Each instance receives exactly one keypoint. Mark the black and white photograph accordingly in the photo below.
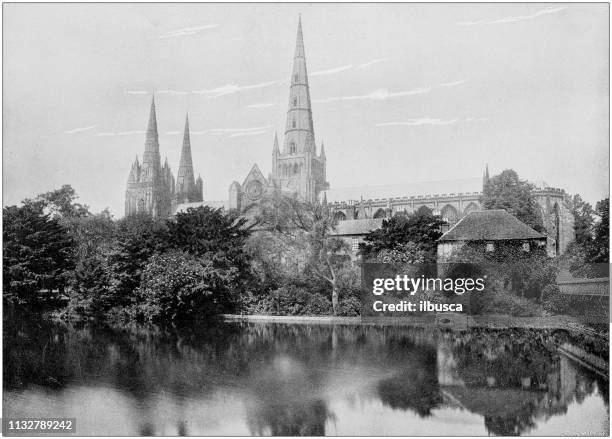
(305, 219)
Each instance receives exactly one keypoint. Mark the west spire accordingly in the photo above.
(185, 182)
(151, 160)
(299, 130)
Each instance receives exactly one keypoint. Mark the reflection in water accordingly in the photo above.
(271, 379)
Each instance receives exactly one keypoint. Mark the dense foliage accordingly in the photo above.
(301, 240)
(283, 258)
(37, 255)
(404, 238)
(507, 191)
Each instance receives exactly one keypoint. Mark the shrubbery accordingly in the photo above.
(179, 286)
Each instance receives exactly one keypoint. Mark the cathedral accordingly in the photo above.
(151, 187)
(297, 167)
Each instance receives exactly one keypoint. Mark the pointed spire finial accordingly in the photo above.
(275, 149)
(299, 41)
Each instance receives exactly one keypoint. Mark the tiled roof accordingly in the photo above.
(357, 227)
(490, 225)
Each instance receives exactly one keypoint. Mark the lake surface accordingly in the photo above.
(279, 379)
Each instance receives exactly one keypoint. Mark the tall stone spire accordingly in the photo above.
(151, 160)
(185, 182)
(299, 130)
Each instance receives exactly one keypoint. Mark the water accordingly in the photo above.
(261, 379)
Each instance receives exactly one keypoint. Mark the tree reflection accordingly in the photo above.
(282, 373)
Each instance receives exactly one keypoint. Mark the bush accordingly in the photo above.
(178, 286)
(291, 300)
(349, 306)
(501, 302)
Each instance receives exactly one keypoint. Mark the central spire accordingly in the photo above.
(299, 130)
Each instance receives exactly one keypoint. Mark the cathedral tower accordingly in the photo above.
(149, 186)
(298, 167)
(188, 190)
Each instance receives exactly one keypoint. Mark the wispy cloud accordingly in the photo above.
(382, 94)
(137, 92)
(232, 88)
(378, 95)
(171, 92)
(332, 71)
(263, 105)
(431, 121)
(248, 133)
(452, 84)
(371, 63)
(121, 133)
(239, 130)
(187, 31)
(80, 130)
(516, 18)
(344, 68)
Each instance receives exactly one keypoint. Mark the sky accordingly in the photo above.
(401, 93)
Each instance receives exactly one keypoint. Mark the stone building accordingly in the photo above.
(297, 167)
(151, 187)
(489, 229)
(553, 203)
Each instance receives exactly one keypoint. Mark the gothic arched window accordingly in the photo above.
(295, 78)
(293, 123)
(295, 102)
(292, 148)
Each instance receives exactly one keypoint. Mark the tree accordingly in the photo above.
(61, 202)
(506, 191)
(307, 229)
(95, 240)
(178, 286)
(415, 235)
(205, 230)
(138, 237)
(600, 251)
(583, 221)
(38, 255)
